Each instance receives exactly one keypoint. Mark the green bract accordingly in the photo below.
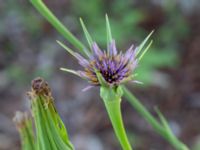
(50, 130)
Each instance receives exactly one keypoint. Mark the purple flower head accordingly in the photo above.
(114, 67)
(107, 68)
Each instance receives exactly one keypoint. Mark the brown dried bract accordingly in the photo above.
(39, 87)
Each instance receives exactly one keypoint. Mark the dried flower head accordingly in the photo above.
(39, 87)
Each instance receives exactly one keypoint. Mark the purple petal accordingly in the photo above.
(130, 53)
(112, 48)
(104, 64)
(96, 50)
(82, 61)
(133, 56)
(82, 74)
(112, 65)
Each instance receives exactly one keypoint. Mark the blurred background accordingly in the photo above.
(170, 69)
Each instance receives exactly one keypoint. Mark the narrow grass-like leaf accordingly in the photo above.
(163, 120)
(144, 42)
(159, 128)
(169, 134)
(87, 35)
(143, 111)
(44, 10)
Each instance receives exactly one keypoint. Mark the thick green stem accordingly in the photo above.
(158, 127)
(43, 9)
(114, 112)
(112, 101)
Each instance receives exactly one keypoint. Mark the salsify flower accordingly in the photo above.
(114, 67)
(110, 67)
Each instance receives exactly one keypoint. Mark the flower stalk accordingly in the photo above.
(112, 101)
